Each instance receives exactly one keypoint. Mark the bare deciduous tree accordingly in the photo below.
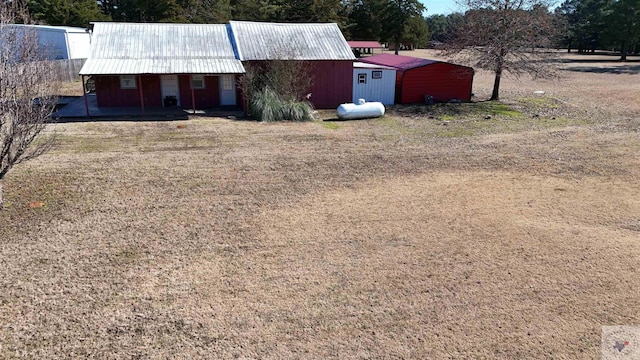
(27, 83)
(504, 36)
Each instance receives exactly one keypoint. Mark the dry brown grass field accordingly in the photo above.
(430, 233)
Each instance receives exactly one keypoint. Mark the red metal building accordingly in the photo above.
(329, 88)
(198, 66)
(188, 66)
(365, 47)
(148, 91)
(322, 47)
(416, 79)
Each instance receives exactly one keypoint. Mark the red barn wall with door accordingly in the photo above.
(332, 83)
(208, 97)
(109, 93)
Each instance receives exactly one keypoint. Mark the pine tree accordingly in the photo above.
(66, 12)
(143, 10)
(207, 11)
(397, 17)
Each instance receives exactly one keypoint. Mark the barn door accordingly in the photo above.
(227, 90)
(361, 86)
(170, 90)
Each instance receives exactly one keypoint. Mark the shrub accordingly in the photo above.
(277, 90)
(267, 105)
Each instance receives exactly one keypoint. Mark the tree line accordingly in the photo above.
(601, 24)
(394, 21)
(582, 25)
(578, 25)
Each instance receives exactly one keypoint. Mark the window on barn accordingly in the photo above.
(362, 78)
(197, 82)
(227, 82)
(127, 81)
(376, 74)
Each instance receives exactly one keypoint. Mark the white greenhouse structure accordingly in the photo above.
(61, 42)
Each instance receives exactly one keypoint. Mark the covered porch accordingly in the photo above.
(76, 110)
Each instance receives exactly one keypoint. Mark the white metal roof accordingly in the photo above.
(361, 65)
(153, 48)
(67, 29)
(291, 41)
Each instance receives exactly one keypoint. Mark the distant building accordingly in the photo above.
(365, 47)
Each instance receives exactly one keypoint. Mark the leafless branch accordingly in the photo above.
(505, 36)
(27, 90)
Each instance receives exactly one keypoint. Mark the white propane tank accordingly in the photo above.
(362, 110)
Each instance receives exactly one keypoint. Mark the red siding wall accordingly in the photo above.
(109, 93)
(441, 80)
(208, 97)
(398, 98)
(332, 83)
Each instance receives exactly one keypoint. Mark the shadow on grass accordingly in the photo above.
(439, 110)
(63, 120)
(622, 70)
(337, 119)
(75, 108)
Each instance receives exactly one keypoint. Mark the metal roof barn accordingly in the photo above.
(130, 48)
(155, 65)
(197, 65)
(290, 41)
(323, 46)
(417, 79)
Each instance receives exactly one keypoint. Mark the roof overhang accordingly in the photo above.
(365, 44)
(161, 66)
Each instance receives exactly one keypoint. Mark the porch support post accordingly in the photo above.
(84, 94)
(243, 88)
(141, 93)
(193, 94)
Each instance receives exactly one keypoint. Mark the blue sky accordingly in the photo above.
(440, 6)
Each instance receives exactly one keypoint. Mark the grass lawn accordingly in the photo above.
(488, 230)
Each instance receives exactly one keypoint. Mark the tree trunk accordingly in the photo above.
(623, 51)
(1, 201)
(495, 95)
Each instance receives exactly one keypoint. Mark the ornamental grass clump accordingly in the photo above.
(266, 105)
(278, 90)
